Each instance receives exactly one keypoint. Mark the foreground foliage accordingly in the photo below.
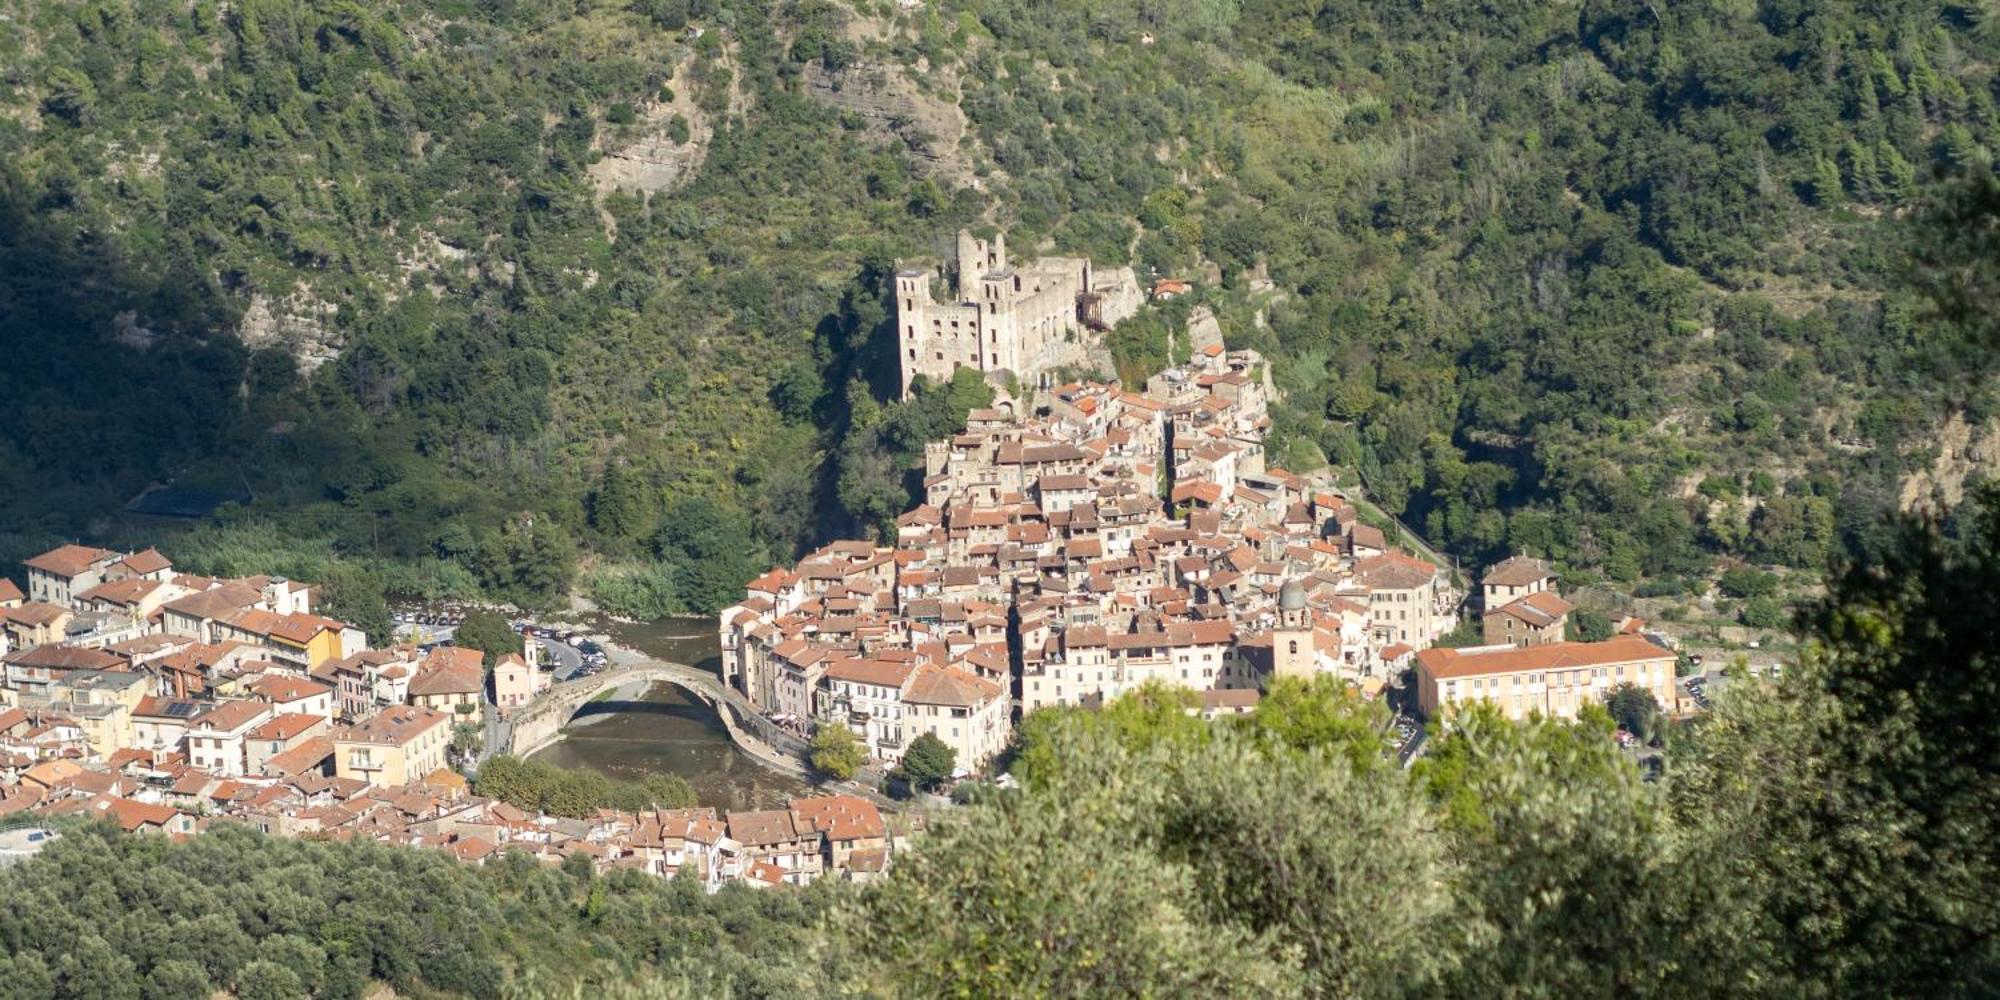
(107, 916)
(541, 787)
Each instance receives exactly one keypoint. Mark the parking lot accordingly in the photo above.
(1404, 737)
(570, 653)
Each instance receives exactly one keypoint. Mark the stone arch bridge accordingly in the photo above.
(540, 722)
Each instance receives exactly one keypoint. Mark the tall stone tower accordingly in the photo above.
(1292, 641)
(976, 259)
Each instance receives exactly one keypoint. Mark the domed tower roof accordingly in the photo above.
(1292, 596)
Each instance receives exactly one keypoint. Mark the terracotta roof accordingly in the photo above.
(839, 817)
(877, 672)
(1230, 698)
(762, 828)
(147, 562)
(302, 628)
(130, 815)
(1481, 661)
(447, 679)
(1540, 609)
(393, 726)
(1368, 536)
(128, 591)
(69, 560)
(52, 656)
(167, 708)
(470, 849)
(307, 756)
(49, 772)
(35, 614)
(286, 726)
(446, 780)
(950, 686)
(10, 591)
(230, 716)
(1394, 571)
(285, 688)
(216, 602)
(1518, 571)
(462, 657)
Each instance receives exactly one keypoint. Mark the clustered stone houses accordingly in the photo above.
(165, 703)
(1081, 541)
(1046, 567)
(837, 836)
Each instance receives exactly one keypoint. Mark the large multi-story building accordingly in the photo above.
(1025, 318)
(1553, 680)
(395, 746)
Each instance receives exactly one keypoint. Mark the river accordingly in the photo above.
(667, 731)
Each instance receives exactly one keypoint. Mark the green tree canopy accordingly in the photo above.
(928, 761)
(836, 752)
(490, 633)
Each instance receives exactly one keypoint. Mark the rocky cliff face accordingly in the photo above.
(300, 323)
(928, 123)
(1965, 455)
(649, 156)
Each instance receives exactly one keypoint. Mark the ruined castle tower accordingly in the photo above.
(1020, 319)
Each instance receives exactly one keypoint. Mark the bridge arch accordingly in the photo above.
(540, 723)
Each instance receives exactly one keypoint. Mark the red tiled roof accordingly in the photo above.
(1479, 662)
(1518, 571)
(69, 560)
(148, 562)
(839, 817)
(230, 716)
(299, 759)
(869, 672)
(762, 828)
(287, 726)
(950, 686)
(284, 688)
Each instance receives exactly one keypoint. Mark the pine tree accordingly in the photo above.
(1826, 186)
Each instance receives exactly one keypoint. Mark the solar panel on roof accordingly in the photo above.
(181, 709)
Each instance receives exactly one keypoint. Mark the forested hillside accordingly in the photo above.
(1614, 282)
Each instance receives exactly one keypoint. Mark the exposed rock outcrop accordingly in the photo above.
(1965, 454)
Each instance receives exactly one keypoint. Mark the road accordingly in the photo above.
(1411, 750)
(565, 657)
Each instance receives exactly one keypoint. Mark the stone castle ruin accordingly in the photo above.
(1025, 319)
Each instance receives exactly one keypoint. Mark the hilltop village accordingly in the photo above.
(165, 702)
(1075, 543)
(1078, 539)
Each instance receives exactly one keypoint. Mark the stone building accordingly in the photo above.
(1521, 605)
(1026, 318)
